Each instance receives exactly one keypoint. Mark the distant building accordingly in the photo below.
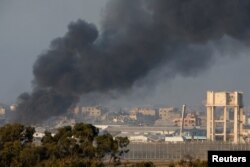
(168, 113)
(203, 120)
(13, 107)
(174, 139)
(133, 137)
(2, 111)
(138, 138)
(144, 111)
(133, 116)
(92, 111)
(76, 110)
(190, 120)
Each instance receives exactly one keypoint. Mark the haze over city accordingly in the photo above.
(28, 27)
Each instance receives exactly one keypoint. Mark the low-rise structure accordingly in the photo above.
(138, 138)
(191, 120)
(168, 113)
(143, 110)
(174, 139)
(2, 111)
(13, 107)
(93, 111)
(133, 116)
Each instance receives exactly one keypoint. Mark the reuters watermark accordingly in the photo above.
(229, 158)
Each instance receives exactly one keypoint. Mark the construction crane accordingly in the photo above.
(182, 118)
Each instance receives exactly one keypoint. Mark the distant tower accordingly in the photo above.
(224, 116)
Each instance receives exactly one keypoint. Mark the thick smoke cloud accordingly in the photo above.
(136, 36)
(44, 103)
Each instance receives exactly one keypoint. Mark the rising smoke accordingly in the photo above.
(136, 37)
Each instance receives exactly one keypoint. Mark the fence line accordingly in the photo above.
(177, 151)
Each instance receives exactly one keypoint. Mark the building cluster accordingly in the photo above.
(161, 116)
(224, 120)
(144, 111)
(156, 133)
(6, 112)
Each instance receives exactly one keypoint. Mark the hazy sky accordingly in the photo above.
(28, 26)
(26, 29)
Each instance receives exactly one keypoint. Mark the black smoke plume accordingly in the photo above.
(136, 36)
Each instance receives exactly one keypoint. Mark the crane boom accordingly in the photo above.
(182, 118)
